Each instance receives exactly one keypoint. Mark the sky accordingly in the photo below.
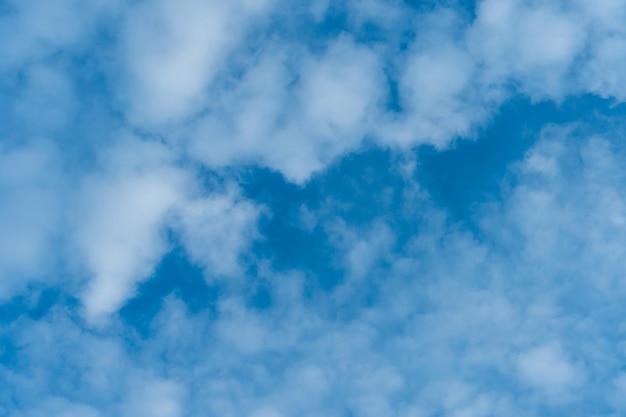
(356, 208)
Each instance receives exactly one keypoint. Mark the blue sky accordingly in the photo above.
(359, 208)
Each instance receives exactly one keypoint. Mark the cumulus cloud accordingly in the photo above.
(124, 212)
(173, 50)
(112, 225)
(253, 88)
(125, 209)
(452, 75)
(532, 44)
(294, 120)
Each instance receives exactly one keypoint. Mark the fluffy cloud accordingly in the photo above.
(534, 45)
(294, 120)
(451, 76)
(112, 225)
(252, 88)
(125, 210)
(172, 52)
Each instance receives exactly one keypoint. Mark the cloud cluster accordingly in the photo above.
(126, 129)
(219, 86)
(115, 222)
(268, 94)
(520, 322)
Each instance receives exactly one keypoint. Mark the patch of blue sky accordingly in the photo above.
(473, 172)
(175, 276)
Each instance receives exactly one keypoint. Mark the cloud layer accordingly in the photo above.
(133, 130)
(520, 322)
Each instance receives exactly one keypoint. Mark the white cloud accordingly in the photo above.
(365, 250)
(533, 45)
(216, 230)
(36, 29)
(242, 330)
(102, 232)
(440, 94)
(603, 74)
(125, 210)
(174, 49)
(547, 369)
(155, 398)
(32, 187)
(297, 130)
(569, 205)
(120, 221)
(339, 90)
(255, 93)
